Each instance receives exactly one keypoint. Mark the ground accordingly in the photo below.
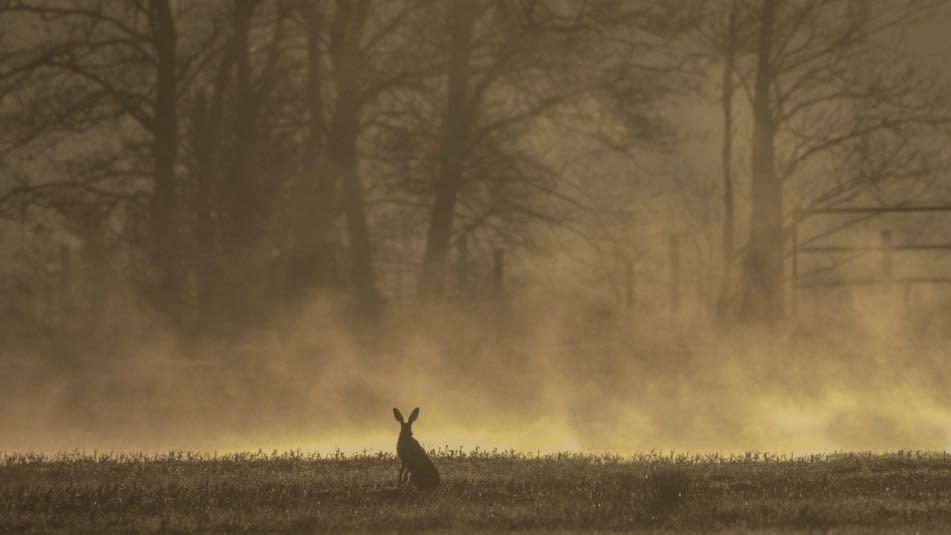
(481, 491)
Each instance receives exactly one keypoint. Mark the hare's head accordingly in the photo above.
(406, 427)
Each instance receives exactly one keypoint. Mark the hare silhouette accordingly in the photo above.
(413, 459)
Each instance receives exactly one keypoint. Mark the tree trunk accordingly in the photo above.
(345, 43)
(439, 233)
(763, 290)
(208, 145)
(726, 159)
(165, 150)
(243, 192)
(312, 253)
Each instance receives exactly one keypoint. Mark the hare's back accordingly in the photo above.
(424, 473)
(425, 476)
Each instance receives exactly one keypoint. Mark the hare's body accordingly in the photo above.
(413, 458)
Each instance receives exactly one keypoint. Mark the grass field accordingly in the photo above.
(481, 491)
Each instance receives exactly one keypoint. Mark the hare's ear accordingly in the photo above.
(414, 415)
(398, 415)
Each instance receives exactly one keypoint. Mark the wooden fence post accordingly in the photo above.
(795, 263)
(674, 265)
(401, 237)
(887, 256)
(498, 272)
(65, 283)
(462, 262)
(629, 285)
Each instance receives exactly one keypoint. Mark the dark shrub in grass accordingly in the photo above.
(666, 491)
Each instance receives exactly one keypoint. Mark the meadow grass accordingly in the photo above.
(481, 491)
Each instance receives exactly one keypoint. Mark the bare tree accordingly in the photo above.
(763, 292)
(124, 62)
(825, 76)
(730, 46)
(460, 100)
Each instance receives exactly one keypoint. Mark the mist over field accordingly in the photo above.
(532, 377)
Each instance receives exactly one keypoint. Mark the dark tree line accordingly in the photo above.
(226, 159)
